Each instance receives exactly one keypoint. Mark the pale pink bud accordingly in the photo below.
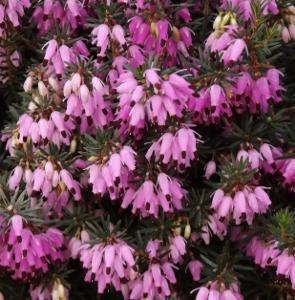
(228, 295)
(15, 178)
(127, 255)
(225, 207)
(266, 152)
(195, 268)
(217, 198)
(237, 49)
(127, 157)
(118, 34)
(286, 35)
(17, 225)
(152, 77)
(28, 84)
(84, 93)
(50, 50)
(47, 8)
(203, 294)
(76, 82)
(292, 31)
(53, 83)
(43, 91)
(67, 88)
(115, 165)
(109, 257)
(147, 282)
(183, 140)
(156, 272)
(262, 195)
(210, 169)
(49, 170)
(252, 201)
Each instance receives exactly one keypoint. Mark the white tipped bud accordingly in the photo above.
(36, 99)
(67, 88)
(28, 84)
(84, 236)
(210, 169)
(98, 84)
(76, 82)
(43, 91)
(286, 35)
(54, 84)
(32, 106)
(84, 93)
(61, 291)
(55, 295)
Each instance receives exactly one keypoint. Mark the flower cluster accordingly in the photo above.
(268, 254)
(288, 24)
(110, 173)
(243, 204)
(108, 263)
(156, 99)
(11, 12)
(154, 282)
(159, 36)
(26, 254)
(56, 291)
(69, 13)
(179, 147)
(217, 290)
(166, 193)
(86, 104)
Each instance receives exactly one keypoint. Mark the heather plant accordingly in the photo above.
(147, 149)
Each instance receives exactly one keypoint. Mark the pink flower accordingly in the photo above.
(24, 253)
(166, 194)
(108, 263)
(210, 169)
(112, 175)
(118, 34)
(179, 148)
(195, 268)
(155, 281)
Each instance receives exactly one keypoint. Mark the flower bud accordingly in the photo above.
(17, 225)
(43, 91)
(225, 20)
(28, 84)
(84, 93)
(73, 146)
(210, 169)
(32, 106)
(76, 82)
(53, 83)
(187, 231)
(217, 22)
(67, 88)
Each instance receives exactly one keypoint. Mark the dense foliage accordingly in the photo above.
(147, 149)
